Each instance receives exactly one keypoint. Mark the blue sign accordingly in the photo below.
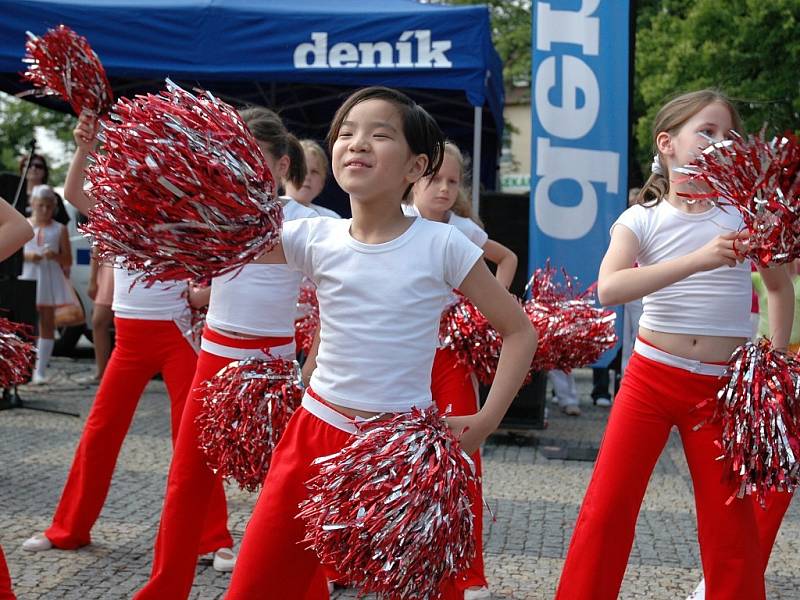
(579, 156)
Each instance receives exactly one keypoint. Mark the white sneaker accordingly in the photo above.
(38, 379)
(37, 543)
(699, 592)
(224, 560)
(482, 593)
(330, 587)
(603, 401)
(89, 378)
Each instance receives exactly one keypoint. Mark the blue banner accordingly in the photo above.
(579, 155)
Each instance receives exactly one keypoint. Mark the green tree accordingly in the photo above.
(748, 48)
(18, 122)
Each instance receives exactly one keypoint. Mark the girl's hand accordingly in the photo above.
(724, 250)
(33, 257)
(85, 132)
(471, 431)
(49, 254)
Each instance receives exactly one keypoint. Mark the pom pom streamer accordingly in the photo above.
(246, 407)
(182, 188)
(61, 63)
(759, 410)
(761, 180)
(572, 331)
(390, 511)
(16, 353)
(306, 325)
(464, 330)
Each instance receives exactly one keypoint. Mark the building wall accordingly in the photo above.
(515, 161)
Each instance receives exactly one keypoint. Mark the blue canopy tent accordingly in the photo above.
(298, 57)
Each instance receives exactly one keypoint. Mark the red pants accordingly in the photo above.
(5, 579)
(654, 397)
(191, 488)
(273, 564)
(769, 522)
(452, 386)
(143, 348)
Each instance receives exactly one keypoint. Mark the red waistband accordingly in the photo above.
(247, 343)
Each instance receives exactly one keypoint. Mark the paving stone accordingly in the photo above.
(534, 501)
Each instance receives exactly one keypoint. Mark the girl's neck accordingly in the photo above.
(29, 186)
(42, 223)
(441, 217)
(377, 221)
(683, 204)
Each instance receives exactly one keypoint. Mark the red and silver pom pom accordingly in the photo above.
(183, 190)
(390, 511)
(306, 325)
(572, 331)
(17, 353)
(759, 410)
(61, 63)
(464, 330)
(246, 407)
(761, 180)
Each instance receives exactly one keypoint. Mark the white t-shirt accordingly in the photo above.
(379, 306)
(163, 301)
(468, 227)
(260, 299)
(706, 303)
(325, 212)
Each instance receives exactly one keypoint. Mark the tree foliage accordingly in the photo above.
(750, 49)
(18, 122)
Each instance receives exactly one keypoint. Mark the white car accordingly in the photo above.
(79, 277)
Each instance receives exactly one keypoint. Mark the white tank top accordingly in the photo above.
(260, 299)
(160, 302)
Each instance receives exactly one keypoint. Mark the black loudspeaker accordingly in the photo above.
(505, 217)
(18, 301)
(11, 267)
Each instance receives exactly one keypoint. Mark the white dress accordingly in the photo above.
(52, 287)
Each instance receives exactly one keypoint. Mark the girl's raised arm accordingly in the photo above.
(780, 303)
(519, 344)
(85, 134)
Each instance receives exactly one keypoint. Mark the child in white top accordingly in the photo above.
(696, 312)
(46, 257)
(382, 281)
(314, 181)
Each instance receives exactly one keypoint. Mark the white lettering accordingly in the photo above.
(567, 120)
(582, 166)
(404, 51)
(568, 27)
(369, 50)
(432, 54)
(318, 49)
(343, 55)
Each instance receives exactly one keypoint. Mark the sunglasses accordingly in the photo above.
(37, 166)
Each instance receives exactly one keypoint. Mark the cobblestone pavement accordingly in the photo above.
(535, 501)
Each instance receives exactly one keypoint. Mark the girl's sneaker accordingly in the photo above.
(700, 591)
(37, 543)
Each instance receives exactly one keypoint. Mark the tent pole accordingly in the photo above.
(477, 128)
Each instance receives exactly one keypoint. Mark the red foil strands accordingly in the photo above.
(16, 353)
(759, 409)
(306, 325)
(61, 63)
(761, 180)
(390, 511)
(246, 407)
(464, 330)
(572, 331)
(182, 188)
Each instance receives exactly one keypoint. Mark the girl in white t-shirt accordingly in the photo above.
(150, 323)
(46, 257)
(306, 191)
(442, 197)
(382, 281)
(696, 292)
(249, 314)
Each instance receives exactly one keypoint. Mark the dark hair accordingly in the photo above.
(266, 126)
(24, 158)
(421, 131)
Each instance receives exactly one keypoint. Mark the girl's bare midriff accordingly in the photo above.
(705, 348)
